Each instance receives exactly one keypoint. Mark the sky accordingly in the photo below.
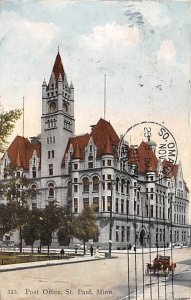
(143, 47)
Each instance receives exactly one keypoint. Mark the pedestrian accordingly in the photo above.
(97, 252)
(91, 250)
(62, 252)
(38, 250)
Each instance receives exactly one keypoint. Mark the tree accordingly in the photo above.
(7, 122)
(67, 226)
(31, 230)
(17, 192)
(6, 219)
(86, 227)
(50, 221)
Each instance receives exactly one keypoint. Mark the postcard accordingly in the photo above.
(95, 175)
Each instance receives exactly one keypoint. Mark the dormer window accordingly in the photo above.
(91, 148)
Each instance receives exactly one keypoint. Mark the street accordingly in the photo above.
(104, 279)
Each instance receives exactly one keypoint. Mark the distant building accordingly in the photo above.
(84, 170)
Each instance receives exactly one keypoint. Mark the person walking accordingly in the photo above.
(91, 250)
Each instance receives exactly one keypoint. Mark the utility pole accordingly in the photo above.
(111, 221)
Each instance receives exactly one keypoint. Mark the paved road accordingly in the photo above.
(104, 279)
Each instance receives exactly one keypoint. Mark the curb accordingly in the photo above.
(48, 264)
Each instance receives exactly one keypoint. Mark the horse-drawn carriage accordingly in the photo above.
(162, 264)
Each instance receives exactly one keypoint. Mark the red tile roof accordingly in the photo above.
(104, 137)
(102, 131)
(20, 152)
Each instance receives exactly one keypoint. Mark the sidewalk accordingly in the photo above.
(48, 263)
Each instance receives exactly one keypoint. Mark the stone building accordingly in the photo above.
(85, 169)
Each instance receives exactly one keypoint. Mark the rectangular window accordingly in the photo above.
(75, 180)
(90, 165)
(151, 196)
(75, 188)
(86, 202)
(122, 233)
(109, 162)
(52, 153)
(116, 205)
(50, 169)
(127, 207)
(151, 211)
(47, 140)
(103, 185)
(137, 209)
(128, 234)
(34, 205)
(108, 203)
(109, 176)
(75, 166)
(49, 152)
(54, 139)
(117, 233)
(122, 206)
(90, 157)
(103, 163)
(33, 172)
(76, 205)
(103, 203)
(96, 204)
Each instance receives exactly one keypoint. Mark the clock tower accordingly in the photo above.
(57, 121)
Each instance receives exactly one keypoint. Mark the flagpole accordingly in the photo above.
(23, 115)
(104, 96)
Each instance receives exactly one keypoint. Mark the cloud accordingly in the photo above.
(112, 35)
(166, 52)
(23, 37)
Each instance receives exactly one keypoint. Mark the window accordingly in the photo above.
(128, 187)
(109, 162)
(34, 205)
(90, 165)
(18, 174)
(47, 140)
(103, 185)
(109, 176)
(116, 205)
(117, 184)
(127, 207)
(51, 190)
(75, 205)
(50, 169)
(96, 203)
(122, 206)
(91, 148)
(75, 188)
(103, 163)
(75, 166)
(33, 191)
(33, 172)
(103, 203)
(75, 180)
(117, 233)
(108, 203)
(51, 154)
(69, 189)
(85, 184)
(95, 184)
(137, 209)
(151, 211)
(122, 233)
(128, 234)
(90, 157)
(86, 202)
(122, 185)
(54, 139)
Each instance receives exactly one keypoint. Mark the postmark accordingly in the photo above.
(148, 151)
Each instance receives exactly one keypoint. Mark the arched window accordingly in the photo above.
(117, 184)
(122, 185)
(69, 189)
(33, 191)
(51, 190)
(95, 183)
(128, 187)
(138, 193)
(85, 184)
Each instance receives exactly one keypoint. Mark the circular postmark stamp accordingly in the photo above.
(148, 151)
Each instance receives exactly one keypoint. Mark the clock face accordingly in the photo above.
(52, 106)
(65, 107)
